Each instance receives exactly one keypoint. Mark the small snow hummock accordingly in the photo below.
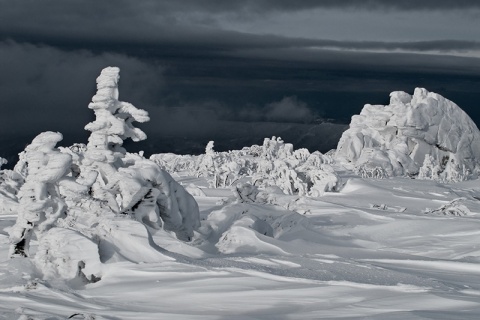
(424, 136)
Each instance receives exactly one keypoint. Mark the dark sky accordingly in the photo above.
(230, 71)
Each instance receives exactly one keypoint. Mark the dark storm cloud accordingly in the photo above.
(151, 26)
(200, 81)
(288, 5)
(43, 88)
(37, 78)
(101, 10)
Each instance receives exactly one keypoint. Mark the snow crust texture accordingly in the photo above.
(424, 136)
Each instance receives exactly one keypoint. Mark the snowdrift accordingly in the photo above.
(424, 136)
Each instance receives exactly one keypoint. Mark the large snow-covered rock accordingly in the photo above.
(423, 130)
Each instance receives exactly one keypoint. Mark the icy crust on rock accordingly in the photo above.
(424, 130)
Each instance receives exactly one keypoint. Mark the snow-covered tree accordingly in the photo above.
(10, 183)
(86, 200)
(40, 203)
(113, 120)
(113, 124)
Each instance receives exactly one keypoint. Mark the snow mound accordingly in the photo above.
(69, 255)
(151, 195)
(424, 130)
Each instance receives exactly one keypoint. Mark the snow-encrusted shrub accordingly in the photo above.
(445, 171)
(222, 169)
(453, 208)
(10, 183)
(40, 202)
(396, 138)
(275, 163)
(171, 162)
(294, 172)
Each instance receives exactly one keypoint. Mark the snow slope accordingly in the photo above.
(369, 250)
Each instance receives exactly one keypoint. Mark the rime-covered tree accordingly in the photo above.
(40, 203)
(113, 120)
(113, 124)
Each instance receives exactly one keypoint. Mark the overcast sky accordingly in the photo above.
(231, 71)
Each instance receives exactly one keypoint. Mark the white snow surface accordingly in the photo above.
(371, 250)
(413, 131)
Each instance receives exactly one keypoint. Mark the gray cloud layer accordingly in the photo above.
(198, 77)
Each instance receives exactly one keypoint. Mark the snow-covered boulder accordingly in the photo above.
(394, 140)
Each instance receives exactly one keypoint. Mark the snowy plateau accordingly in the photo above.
(387, 226)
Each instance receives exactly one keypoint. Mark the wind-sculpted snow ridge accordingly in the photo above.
(424, 136)
(273, 164)
(89, 204)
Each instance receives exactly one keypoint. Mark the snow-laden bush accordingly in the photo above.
(40, 202)
(445, 171)
(452, 208)
(393, 140)
(274, 163)
(10, 183)
(294, 172)
(77, 200)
